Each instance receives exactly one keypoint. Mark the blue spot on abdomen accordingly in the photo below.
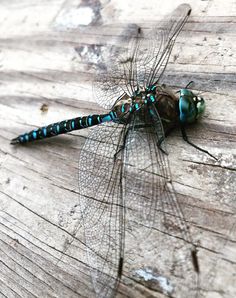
(106, 118)
(34, 134)
(45, 131)
(89, 120)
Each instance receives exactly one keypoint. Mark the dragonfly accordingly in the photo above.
(124, 174)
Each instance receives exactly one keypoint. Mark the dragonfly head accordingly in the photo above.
(191, 107)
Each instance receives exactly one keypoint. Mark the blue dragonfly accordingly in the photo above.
(124, 176)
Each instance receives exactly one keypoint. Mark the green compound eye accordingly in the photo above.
(191, 107)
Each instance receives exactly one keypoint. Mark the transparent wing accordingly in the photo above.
(152, 50)
(143, 62)
(152, 205)
(101, 206)
(110, 84)
(129, 187)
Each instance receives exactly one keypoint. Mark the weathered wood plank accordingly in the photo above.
(46, 57)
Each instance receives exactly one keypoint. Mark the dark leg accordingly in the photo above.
(159, 146)
(189, 84)
(185, 137)
(122, 146)
(118, 152)
(167, 132)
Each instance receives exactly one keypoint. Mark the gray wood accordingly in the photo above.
(47, 58)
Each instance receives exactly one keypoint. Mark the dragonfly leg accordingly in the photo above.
(167, 133)
(159, 146)
(185, 137)
(189, 84)
(118, 152)
(122, 147)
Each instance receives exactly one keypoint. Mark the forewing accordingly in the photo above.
(152, 204)
(143, 61)
(111, 83)
(101, 209)
(152, 48)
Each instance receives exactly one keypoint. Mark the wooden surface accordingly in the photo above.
(47, 58)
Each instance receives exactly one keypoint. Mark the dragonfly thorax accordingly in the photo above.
(140, 98)
(171, 109)
(146, 95)
(154, 96)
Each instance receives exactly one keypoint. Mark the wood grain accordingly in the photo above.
(48, 58)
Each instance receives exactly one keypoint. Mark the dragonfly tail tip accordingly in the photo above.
(14, 141)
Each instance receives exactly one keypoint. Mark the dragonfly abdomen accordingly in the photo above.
(64, 126)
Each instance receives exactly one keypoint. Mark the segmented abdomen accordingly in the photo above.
(119, 113)
(63, 127)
